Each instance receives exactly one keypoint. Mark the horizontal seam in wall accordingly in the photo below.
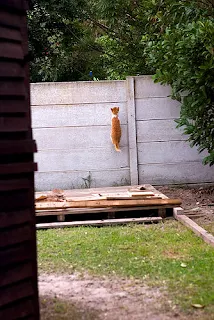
(152, 97)
(170, 163)
(85, 171)
(160, 141)
(80, 149)
(76, 103)
(108, 126)
(168, 119)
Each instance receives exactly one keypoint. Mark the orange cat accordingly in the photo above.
(115, 128)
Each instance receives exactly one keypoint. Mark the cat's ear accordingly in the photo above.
(111, 109)
(118, 108)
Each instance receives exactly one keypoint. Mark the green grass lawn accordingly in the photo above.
(165, 255)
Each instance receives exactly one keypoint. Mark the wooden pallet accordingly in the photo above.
(106, 200)
(105, 222)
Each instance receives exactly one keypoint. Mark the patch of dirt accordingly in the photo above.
(109, 298)
(112, 299)
(197, 202)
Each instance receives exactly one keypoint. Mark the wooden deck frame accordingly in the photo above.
(179, 215)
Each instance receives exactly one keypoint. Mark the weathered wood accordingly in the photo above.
(111, 215)
(10, 19)
(107, 203)
(141, 193)
(13, 106)
(162, 212)
(61, 217)
(16, 273)
(178, 210)
(199, 231)
(18, 254)
(13, 124)
(10, 34)
(12, 51)
(11, 69)
(22, 309)
(8, 219)
(17, 168)
(55, 212)
(97, 222)
(17, 291)
(16, 184)
(132, 133)
(14, 236)
(17, 146)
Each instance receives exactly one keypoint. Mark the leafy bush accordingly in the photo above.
(183, 56)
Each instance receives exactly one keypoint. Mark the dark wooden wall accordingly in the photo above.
(18, 264)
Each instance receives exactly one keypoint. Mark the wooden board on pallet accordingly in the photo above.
(97, 222)
(70, 211)
(107, 203)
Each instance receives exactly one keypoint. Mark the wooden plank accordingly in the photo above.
(13, 106)
(14, 124)
(76, 211)
(199, 231)
(16, 292)
(141, 193)
(11, 69)
(11, 168)
(97, 222)
(12, 88)
(132, 133)
(8, 219)
(10, 34)
(107, 203)
(16, 235)
(19, 310)
(11, 51)
(18, 254)
(15, 184)
(162, 212)
(18, 198)
(17, 146)
(10, 19)
(15, 274)
(19, 6)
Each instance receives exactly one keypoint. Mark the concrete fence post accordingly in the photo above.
(132, 132)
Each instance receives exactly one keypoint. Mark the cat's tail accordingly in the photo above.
(117, 148)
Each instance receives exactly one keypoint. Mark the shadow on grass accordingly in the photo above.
(57, 309)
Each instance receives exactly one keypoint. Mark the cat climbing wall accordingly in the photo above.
(115, 128)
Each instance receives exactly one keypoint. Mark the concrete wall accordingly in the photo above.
(72, 122)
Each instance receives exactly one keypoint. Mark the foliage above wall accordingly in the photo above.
(111, 39)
